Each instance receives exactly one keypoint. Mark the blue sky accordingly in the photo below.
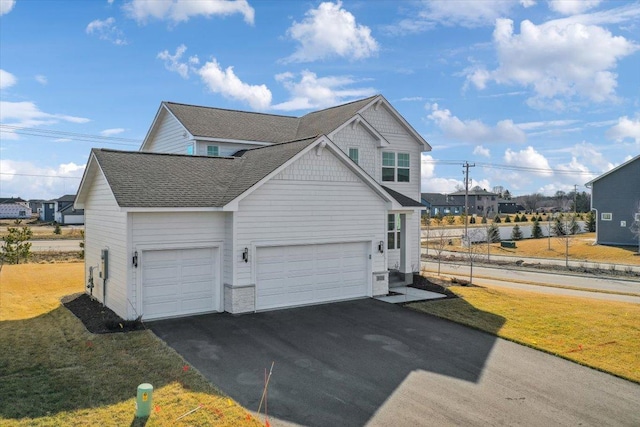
(540, 95)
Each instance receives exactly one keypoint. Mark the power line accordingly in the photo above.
(50, 133)
(40, 176)
(514, 168)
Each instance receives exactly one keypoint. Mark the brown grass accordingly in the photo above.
(54, 372)
(581, 249)
(602, 334)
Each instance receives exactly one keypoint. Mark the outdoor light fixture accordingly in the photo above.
(135, 259)
(245, 255)
(381, 247)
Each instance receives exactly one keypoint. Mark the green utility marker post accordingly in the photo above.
(143, 400)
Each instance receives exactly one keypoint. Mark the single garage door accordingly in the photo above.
(179, 282)
(310, 274)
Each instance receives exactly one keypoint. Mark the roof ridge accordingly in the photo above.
(229, 109)
(110, 150)
(277, 144)
(341, 105)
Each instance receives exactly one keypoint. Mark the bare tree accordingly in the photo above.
(473, 252)
(531, 201)
(440, 242)
(570, 228)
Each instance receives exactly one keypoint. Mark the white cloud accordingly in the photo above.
(41, 79)
(558, 62)
(626, 128)
(226, 83)
(481, 151)
(27, 114)
(111, 132)
(172, 62)
(474, 130)
(48, 182)
(572, 7)
(181, 10)
(312, 91)
(330, 31)
(7, 79)
(106, 30)
(6, 6)
(469, 14)
(528, 158)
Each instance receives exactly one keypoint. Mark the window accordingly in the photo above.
(392, 171)
(353, 154)
(606, 216)
(190, 149)
(393, 231)
(637, 216)
(213, 150)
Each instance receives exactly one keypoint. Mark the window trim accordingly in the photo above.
(396, 166)
(356, 151)
(396, 232)
(217, 149)
(190, 149)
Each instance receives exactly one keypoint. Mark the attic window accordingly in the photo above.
(190, 150)
(353, 154)
(213, 150)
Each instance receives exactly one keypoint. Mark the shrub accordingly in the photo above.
(450, 219)
(484, 220)
(516, 233)
(472, 220)
(516, 218)
(16, 245)
(591, 222)
(536, 231)
(496, 219)
(57, 229)
(507, 219)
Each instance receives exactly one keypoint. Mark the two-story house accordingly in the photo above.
(480, 202)
(236, 211)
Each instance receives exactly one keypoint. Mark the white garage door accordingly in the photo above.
(179, 282)
(309, 274)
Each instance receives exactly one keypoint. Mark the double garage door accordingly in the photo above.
(310, 274)
(179, 282)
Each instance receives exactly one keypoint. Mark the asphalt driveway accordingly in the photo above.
(368, 362)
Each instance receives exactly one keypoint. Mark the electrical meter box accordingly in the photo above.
(104, 264)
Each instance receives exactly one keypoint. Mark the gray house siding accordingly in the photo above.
(616, 195)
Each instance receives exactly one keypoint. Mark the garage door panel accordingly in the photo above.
(180, 282)
(307, 274)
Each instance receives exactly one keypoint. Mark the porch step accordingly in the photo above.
(396, 279)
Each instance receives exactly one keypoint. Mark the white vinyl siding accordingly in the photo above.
(317, 199)
(169, 136)
(175, 230)
(225, 149)
(359, 138)
(400, 141)
(106, 228)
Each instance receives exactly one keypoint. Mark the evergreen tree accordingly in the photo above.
(16, 245)
(484, 220)
(450, 219)
(493, 233)
(507, 219)
(516, 233)
(573, 226)
(496, 219)
(558, 227)
(591, 222)
(516, 218)
(536, 231)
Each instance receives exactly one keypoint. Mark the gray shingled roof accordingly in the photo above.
(405, 201)
(155, 180)
(439, 199)
(232, 124)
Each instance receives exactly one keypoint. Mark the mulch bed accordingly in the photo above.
(97, 318)
(426, 284)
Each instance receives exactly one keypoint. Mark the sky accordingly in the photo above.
(537, 95)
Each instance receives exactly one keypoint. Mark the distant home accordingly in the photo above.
(61, 210)
(615, 197)
(436, 204)
(509, 207)
(480, 202)
(14, 207)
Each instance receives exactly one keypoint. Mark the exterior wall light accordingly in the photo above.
(381, 247)
(245, 255)
(135, 259)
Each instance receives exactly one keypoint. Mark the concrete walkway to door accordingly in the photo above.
(367, 362)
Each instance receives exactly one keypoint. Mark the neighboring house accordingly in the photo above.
(615, 198)
(62, 203)
(509, 207)
(437, 203)
(14, 207)
(36, 205)
(225, 210)
(480, 202)
(48, 210)
(71, 216)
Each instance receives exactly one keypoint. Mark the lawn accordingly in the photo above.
(600, 334)
(54, 372)
(581, 248)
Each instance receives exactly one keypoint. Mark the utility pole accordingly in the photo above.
(466, 199)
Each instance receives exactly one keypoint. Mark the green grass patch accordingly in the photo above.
(54, 372)
(601, 334)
